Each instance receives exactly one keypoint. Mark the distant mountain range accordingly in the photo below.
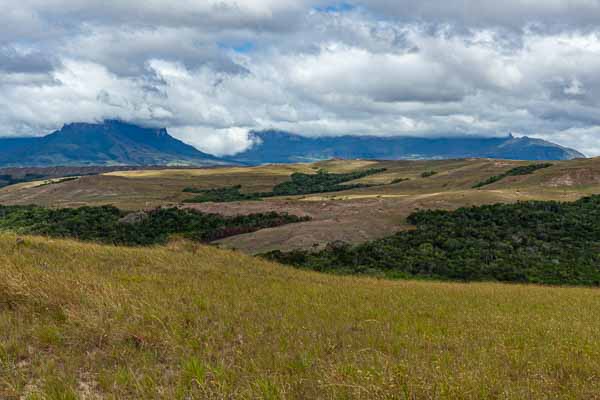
(108, 143)
(283, 147)
(118, 143)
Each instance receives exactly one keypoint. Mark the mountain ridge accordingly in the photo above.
(112, 142)
(285, 147)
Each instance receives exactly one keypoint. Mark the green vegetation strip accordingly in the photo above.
(220, 195)
(524, 170)
(299, 184)
(7, 180)
(59, 180)
(108, 224)
(538, 242)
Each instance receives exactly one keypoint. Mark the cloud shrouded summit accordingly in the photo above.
(212, 70)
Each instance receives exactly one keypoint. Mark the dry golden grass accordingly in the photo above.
(345, 166)
(275, 169)
(144, 189)
(189, 321)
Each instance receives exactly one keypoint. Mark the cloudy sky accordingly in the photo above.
(212, 70)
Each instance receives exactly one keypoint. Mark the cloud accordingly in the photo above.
(220, 142)
(212, 15)
(512, 14)
(24, 61)
(125, 51)
(212, 71)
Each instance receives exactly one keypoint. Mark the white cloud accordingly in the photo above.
(220, 142)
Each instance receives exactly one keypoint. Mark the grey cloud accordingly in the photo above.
(29, 63)
(513, 14)
(276, 15)
(126, 51)
(213, 70)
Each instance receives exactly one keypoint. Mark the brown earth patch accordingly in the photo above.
(575, 177)
(353, 221)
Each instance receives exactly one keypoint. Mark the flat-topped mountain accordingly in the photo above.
(284, 147)
(114, 143)
(108, 143)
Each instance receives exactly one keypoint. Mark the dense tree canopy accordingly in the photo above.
(108, 224)
(539, 242)
(220, 195)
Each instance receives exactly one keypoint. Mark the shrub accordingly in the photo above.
(427, 174)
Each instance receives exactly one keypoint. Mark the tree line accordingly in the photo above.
(108, 224)
(543, 242)
(299, 184)
(523, 170)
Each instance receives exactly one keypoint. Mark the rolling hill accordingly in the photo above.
(187, 321)
(108, 143)
(385, 200)
(284, 147)
(183, 320)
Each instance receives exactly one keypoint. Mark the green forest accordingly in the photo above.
(321, 182)
(108, 224)
(299, 184)
(523, 170)
(220, 195)
(542, 242)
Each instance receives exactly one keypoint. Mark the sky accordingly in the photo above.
(211, 71)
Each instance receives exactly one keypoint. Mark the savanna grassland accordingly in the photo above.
(182, 320)
(394, 194)
(191, 321)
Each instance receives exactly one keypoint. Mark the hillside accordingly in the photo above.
(107, 143)
(544, 242)
(336, 216)
(15, 175)
(284, 147)
(188, 321)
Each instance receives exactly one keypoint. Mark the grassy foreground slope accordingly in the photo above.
(190, 321)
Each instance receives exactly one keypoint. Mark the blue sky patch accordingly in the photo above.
(245, 47)
(336, 8)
